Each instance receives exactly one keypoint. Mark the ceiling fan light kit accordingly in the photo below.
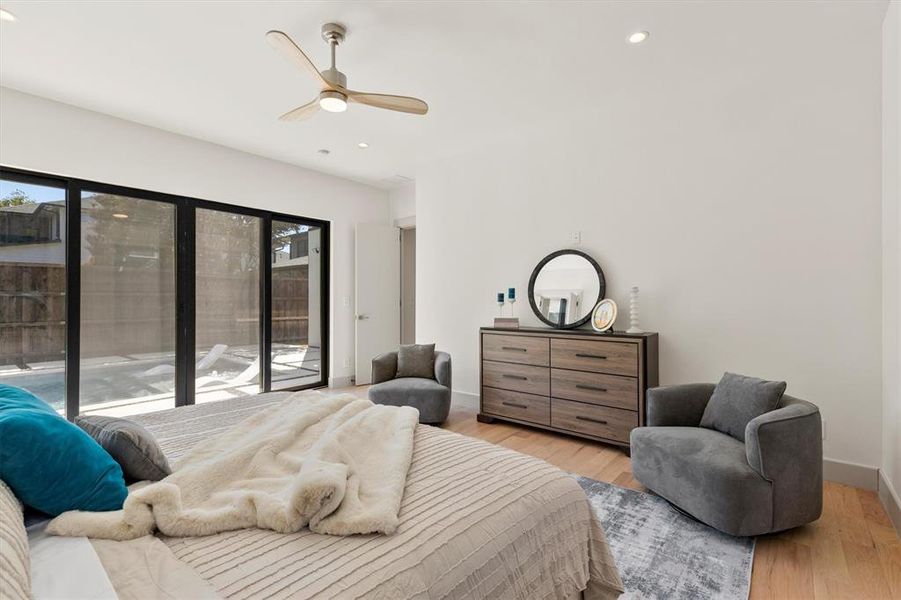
(332, 101)
(334, 94)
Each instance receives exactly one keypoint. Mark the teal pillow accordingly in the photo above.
(49, 463)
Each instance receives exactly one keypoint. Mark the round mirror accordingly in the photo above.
(565, 287)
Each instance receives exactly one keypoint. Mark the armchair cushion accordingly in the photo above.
(737, 400)
(429, 397)
(705, 473)
(416, 360)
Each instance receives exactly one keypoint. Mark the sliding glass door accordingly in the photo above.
(33, 288)
(128, 306)
(227, 313)
(296, 304)
(118, 301)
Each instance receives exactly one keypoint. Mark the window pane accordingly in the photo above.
(33, 289)
(227, 359)
(296, 305)
(128, 305)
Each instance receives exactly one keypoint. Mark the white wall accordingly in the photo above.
(403, 201)
(51, 137)
(891, 251)
(748, 214)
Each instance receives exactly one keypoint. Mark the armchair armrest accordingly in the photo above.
(786, 447)
(443, 369)
(678, 405)
(384, 367)
(785, 440)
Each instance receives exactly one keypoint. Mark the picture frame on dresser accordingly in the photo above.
(574, 381)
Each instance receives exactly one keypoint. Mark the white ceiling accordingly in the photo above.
(488, 70)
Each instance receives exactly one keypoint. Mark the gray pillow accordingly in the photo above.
(416, 360)
(737, 399)
(129, 444)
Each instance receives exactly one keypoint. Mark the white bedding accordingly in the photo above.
(66, 568)
(476, 521)
(335, 463)
(76, 568)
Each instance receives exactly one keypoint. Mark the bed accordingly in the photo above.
(476, 521)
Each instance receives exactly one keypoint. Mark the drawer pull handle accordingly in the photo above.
(597, 356)
(598, 421)
(508, 376)
(514, 349)
(514, 405)
(591, 387)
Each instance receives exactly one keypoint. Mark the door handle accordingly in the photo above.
(362, 317)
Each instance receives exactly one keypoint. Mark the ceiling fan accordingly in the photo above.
(334, 95)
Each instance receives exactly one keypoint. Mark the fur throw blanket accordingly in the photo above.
(336, 463)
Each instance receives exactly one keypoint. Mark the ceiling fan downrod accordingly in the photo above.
(334, 34)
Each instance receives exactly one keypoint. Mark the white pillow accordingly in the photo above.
(15, 564)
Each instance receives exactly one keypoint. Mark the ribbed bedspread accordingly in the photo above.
(477, 521)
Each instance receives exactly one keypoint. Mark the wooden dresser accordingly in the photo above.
(573, 381)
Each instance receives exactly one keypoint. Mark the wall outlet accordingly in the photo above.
(575, 238)
(345, 300)
(346, 362)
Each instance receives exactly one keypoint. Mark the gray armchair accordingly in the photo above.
(432, 397)
(771, 482)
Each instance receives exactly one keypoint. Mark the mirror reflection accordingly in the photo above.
(566, 289)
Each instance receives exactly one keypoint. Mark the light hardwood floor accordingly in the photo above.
(851, 552)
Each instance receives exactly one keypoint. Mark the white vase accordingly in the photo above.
(633, 311)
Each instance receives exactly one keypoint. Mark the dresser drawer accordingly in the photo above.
(516, 349)
(516, 405)
(519, 378)
(595, 388)
(598, 356)
(600, 421)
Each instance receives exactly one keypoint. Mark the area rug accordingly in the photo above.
(662, 553)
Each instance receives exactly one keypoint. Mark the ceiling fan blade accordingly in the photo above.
(301, 112)
(399, 103)
(292, 52)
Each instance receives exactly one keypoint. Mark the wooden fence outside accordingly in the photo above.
(133, 312)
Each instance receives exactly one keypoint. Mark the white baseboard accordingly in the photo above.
(339, 382)
(890, 501)
(859, 476)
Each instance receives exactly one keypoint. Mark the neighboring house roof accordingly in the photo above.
(32, 207)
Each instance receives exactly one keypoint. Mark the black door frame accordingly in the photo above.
(185, 253)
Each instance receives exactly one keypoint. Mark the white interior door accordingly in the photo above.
(378, 295)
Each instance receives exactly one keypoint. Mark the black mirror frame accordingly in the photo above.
(602, 287)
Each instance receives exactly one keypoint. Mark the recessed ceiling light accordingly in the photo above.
(323, 151)
(120, 216)
(362, 145)
(5, 15)
(638, 37)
